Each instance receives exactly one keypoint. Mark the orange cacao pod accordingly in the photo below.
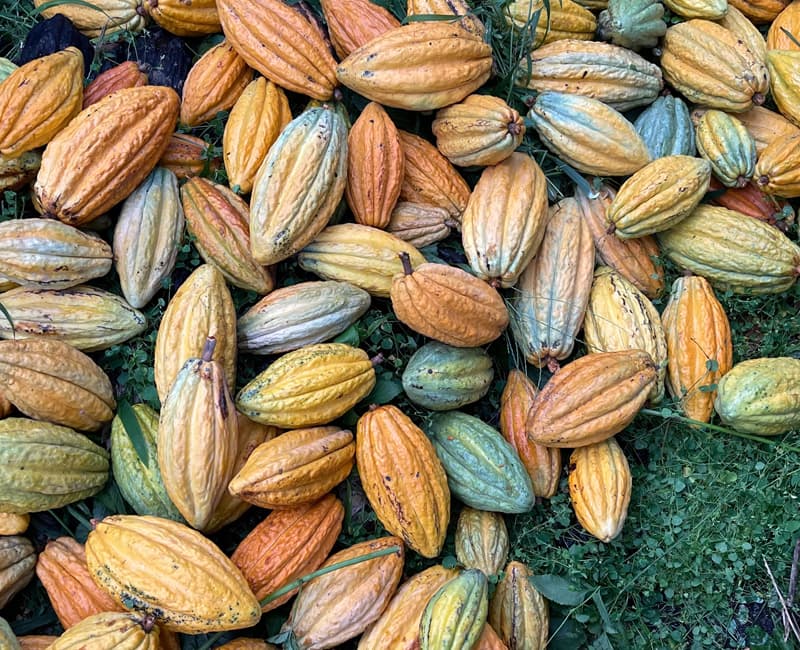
(750, 200)
(353, 23)
(187, 155)
(182, 18)
(788, 20)
(128, 74)
(760, 11)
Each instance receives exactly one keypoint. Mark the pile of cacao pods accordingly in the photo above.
(680, 161)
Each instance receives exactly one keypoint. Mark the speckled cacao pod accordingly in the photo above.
(31, 451)
(195, 18)
(128, 74)
(455, 615)
(481, 540)
(353, 23)
(600, 488)
(17, 561)
(543, 464)
(105, 153)
(743, 28)
(518, 612)
(557, 21)
(254, 124)
(166, 569)
(420, 225)
(505, 219)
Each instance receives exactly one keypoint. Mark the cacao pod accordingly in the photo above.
(17, 172)
(353, 23)
(102, 18)
(13, 524)
(666, 128)
(725, 143)
(481, 541)
(195, 18)
(128, 74)
(186, 156)
(552, 22)
(110, 630)
(420, 225)
(518, 612)
(456, 614)
(17, 562)
(635, 24)
(788, 20)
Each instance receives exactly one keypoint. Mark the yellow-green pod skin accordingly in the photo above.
(455, 615)
(111, 631)
(761, 396)
(725, 143)
(8, 641)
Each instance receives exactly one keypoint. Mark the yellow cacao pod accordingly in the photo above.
(784, 77)
(518, 612)
(709, 9)
(556, 21)
(13, 524)
(600, 488)
(777, 172)
(456, 614)
(195, 18)
(110, 630)
(104, 17)
(481, 540)
(39, 99)
(460, 8)
(36, 641)
(736, 22)
(353, 23)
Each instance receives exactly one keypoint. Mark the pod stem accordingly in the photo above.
(208, 349)
(406, 261)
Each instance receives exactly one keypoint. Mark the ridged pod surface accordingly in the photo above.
(420, 66)
(29, 452)
(47, 254)
(556, 21)
(197, 438)
(361, 255)
(219, 222)
(759, 11)
(128, 74)
(733, 251)
(288, 544)
(518, 611)
(467, 19)
(489, 640)
(440, 377)
(620, 317)
(299, 185)
(102, 17)
(777, 170)
(105, 153)
(784, 79)
(200, 308)
(743, 28)
(214, 84)
(710, 9)
(17, 562)
(429, 177)
(480, 130)
(455, 615)
(658, 196)
(112, 631)
(353, 23)
(611, 74)
(548, 304)
(403, 479)
(139, 479)
(766, 126)
(634, 24)
(62, 570)
(302, 314)
(168, 570)
(420, 225)
(600, 488)
(448, 304)
(760, 396)
(483, 470)
(634, 259)
(281, 43)
(588, 134)
(699, 348)
(750, 200)
(398, 625)
(543, 464)
(666, 128)
(51, 380)
(17, 172)
(297, 467)
(708, 65)
(592, 398)
(39, 99)
(375, 167)
(87, 318)
(13, 524)
(725, 143)
(187, 155)
(505, 219)
(147, 236)
(254, 124)
(788, 19)
(194, 18)
(481, 540)
(340, 605)
(310, 386)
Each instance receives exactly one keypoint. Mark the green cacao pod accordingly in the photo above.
(666, 128)
(518, 612)
(761, 396)
(483, 470)
(441, 377)
(725, 143)
(481, 540)
(634, 24)
(455, 615)
(47, 466)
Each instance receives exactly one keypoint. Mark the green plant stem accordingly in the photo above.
(308, 577)
(714, 427)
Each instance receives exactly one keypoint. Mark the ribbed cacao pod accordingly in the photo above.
(105, 153)
(403, 479)
(17, 561)
(600, 488)
(725, 143)
(666, 128)
(195, 18)
(550, 299)
(254, 124)
(543, 464)
(39, 99)
(776, 170)
(353, 23)
(375, 167)
(459, 8)
(789, 20)
(783, 78)
(518, 612)
(699, 346)
(7, 637)
(766, 126)
(287, 211)
(759, 11)
(760, 396)
(201, 307)
(297, 467)
(483, 470)
(635, 24)
(505, 219)
(47, 466)
(743, 28)
(128, 74)
(102, 17)
(592, 398)
(17, 172)
(481, 540)
(186, 156)
(710, 9)
(750, 200)
(110, 631)
(557, 21)
(166, 569)
(13, 524)
(47, 254)
(732, 251)
(361, 255)
(456, 614)
(420, 225)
